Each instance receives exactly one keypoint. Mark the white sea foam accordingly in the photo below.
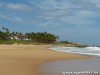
(95, 51)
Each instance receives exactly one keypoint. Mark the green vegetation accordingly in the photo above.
(9, 42)
(43, 37)
(72, 44)
(66, 42)
(4, 34)
(7, 37)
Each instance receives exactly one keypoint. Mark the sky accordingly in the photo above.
(72, 20)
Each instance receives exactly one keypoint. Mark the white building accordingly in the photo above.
(20, 37)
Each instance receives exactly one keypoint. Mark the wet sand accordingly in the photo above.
(90, 66)
(24, 59)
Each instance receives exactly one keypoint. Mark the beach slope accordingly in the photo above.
(24, 59)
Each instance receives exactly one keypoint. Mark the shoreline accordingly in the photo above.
(24, 59)
(61, 67)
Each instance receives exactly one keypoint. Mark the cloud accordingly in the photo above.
(12, 19)
(96, 2)
(59, 12)
(16, 6)
(70, 19)
(18, 19)
(68, 12)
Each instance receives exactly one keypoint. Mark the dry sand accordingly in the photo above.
(24, 59)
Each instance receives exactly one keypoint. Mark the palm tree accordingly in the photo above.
(42, 37)
(7, 30)
(3, 28)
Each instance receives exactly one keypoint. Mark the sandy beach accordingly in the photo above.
(24, 59)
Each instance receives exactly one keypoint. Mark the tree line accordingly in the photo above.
(39, 37)
(4, 33)
(42, 37)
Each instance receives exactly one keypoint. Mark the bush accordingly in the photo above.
(9, 42)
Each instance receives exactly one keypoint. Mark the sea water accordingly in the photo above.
(73, 67)
(94, 51)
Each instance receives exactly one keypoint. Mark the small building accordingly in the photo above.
(20, 37)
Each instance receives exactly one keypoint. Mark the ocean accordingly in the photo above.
(89, 66)
(94, 51)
